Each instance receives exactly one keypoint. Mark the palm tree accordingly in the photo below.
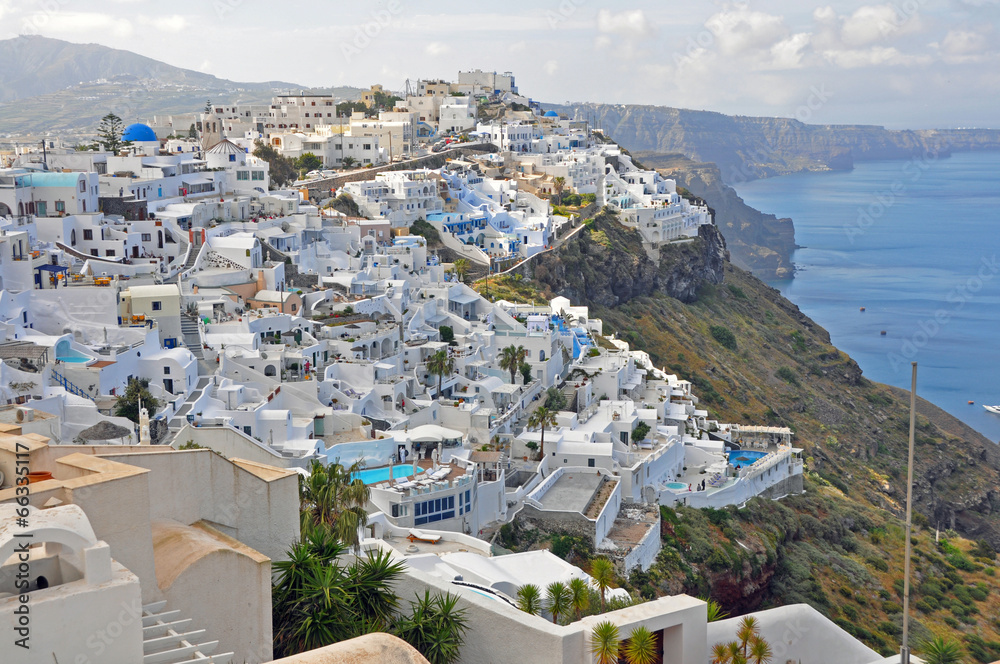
(529, 599)
(348, 162)
(938, 650)
(558, 185)
(329, 497)
(760, 651)
(721, 654)
(557, 599)
(604, 575)
(440, 364)
(461, 268)
(542, 417)
(640, 648)
(579, 596)
(511, 359)
(604, 642)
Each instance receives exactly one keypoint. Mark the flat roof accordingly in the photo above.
(572, 491)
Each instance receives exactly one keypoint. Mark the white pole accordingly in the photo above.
(904, 651)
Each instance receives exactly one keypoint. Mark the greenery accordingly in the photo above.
(308, 162)
(603, 573)
(542, 417)
(331, 501)
(748, 648)
(640, 432)
(282, 170)
(136, 393)
(938, 650)
(604, 642)
(558, 600)
(440, 364)
(640, 647)
(555, 399)
(109, 134)
(511, 359)
(525, 370)
(317, 600)
(787, 375)
(724, 336)
(461, 268)
(447, 333)
(529, 599)
(423, 228)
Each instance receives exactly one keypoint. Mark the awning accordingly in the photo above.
(194, 181)
(464, 298)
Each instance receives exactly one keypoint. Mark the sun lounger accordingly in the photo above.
(420, 536)
(440, 474)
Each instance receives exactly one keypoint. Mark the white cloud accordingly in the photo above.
(73, 25)
(518, 47)
(738, 31)
(629, 23)
(172, 24)
(435, 49)
(551, 67)
(963, 42)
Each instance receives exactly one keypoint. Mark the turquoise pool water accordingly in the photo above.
(78, 359)
(376, 475)
(745, 457)
(677, 485)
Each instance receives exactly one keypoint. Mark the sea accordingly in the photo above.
(916, 244)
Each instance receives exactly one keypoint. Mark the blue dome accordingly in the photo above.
(138, 132)
(551, 114)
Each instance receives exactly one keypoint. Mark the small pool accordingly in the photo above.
(677, 486)
(66, 353)
(745, 457)
(376, 475)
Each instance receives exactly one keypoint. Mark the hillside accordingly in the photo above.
(784, 371)
(50, 86)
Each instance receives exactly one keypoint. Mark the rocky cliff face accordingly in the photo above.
(605, 264)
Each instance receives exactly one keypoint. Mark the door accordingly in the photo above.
(168, 385)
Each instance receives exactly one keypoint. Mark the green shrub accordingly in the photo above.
(787, 375)
(724, 336)
(878, 564)
(850, 612)
(737, 292)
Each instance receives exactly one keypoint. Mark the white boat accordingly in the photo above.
(993, 409)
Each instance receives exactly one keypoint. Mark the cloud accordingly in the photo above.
(739, 31)
(629, 23)
(172, 24)
(518, 47)
(551, 67)
(435, 49)
(75, 24)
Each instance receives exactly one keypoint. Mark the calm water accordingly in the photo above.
(917, 243)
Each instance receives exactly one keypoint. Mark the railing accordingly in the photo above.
(70, 387)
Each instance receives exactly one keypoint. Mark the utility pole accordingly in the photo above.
(904, 651)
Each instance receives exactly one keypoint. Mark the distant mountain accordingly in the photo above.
(747, 148)
(50, 86)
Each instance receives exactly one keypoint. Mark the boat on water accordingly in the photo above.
(993, 409)
(862, 308)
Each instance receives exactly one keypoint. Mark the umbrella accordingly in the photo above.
(414, 464)
(390, 471)
(104, 430)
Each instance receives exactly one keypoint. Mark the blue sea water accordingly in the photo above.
(917, 243)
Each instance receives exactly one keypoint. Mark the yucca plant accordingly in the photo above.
(557, 599)
(760, 651)
(640, 648)
(938, 650)
(721, 654)
(715, 611)
(435, 627)
(603, 572)
(529, 599)
(579, 596)
(604, 642)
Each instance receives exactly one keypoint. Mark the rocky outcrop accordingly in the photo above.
(605, 265)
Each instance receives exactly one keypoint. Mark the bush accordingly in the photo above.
(447, 334)
(737, 292)
(787, 375)
(640, 431)
(724, 336)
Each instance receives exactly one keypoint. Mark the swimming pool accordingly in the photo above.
(677, 486)
(745, 457)
(66, 353)
(376, 475)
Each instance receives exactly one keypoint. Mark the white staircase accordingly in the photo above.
(168, 639)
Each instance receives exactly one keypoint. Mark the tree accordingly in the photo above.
(938, 650)
(208, 105)
(760, 651)
(640, 431)
(280, 168)
(640, 647)
(558, 185)
(555, 399)
(435, 627)
(511, 359)
(542, 417)
(604, 642)
(348, 161)
(603, 572)
(440, 364)
(136, 391)
(330, 498)
(529, 599)
(746, 632)
(721, 654)
(557, 599)
(579, 593)
(308, 162)
(525, 370)
(192, 131)
(715, 611)
(109, 133)
(447, 333)
(461, 268)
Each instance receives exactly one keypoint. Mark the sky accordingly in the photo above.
(902, 63)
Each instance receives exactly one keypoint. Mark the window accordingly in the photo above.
(257, 175)
(166, 371)
(242, 175)
(591, 463)
(88, 234)
(147, 237)
(157, 306)
(109, 252)
(232, 157)
(60, 206)
(83, 187)
(367, 146)
(95, 252)
(247, 430)
(437, 509)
